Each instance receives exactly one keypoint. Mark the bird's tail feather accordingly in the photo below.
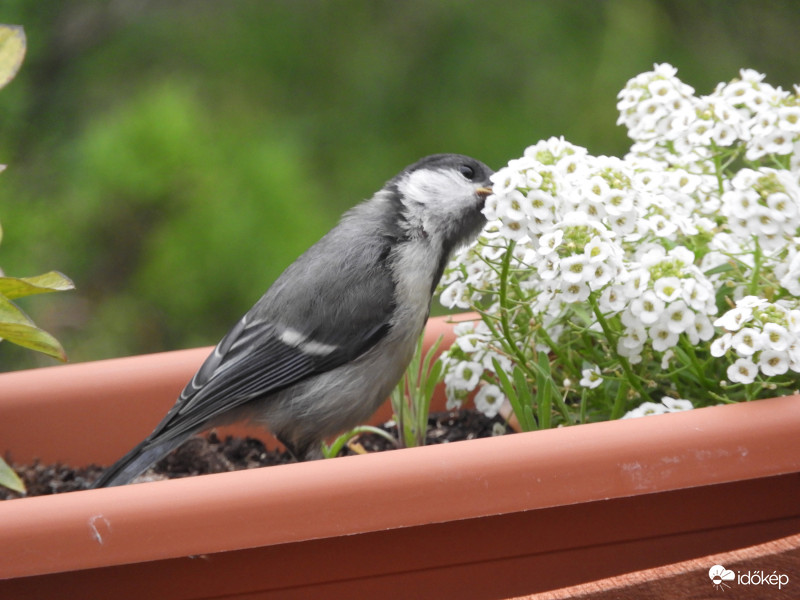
(136, 462)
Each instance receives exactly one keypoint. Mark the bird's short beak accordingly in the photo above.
(484, 192)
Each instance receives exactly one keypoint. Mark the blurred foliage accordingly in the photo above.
(15, 325)
(175, 156)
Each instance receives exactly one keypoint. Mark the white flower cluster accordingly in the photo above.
(585, 224)
(764, 336)
(463, 376)
(667, 405)
(669, 296)
(764, 203)
(638, 251)
(665, 118)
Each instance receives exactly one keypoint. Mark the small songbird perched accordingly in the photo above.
(329, 340)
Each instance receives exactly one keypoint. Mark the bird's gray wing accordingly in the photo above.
(251, 363)
(275, 345)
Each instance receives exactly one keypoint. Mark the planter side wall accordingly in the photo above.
(396, 490)
(485, 558)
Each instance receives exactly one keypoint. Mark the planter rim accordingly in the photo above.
(346, 496)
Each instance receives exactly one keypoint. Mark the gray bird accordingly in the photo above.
(329, 340)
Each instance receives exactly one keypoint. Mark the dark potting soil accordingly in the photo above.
(210, 454)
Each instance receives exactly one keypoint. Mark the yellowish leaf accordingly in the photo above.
(17, 327)
(9, 479)
(356, 447)
(16, 287)
(12, 51)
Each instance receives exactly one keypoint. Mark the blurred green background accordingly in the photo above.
(172, 157)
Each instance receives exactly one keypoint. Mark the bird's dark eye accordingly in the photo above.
(467, 171)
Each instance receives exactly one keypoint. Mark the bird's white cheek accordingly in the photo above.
(426, 187)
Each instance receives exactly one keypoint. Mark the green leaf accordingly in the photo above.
(530, 420)
(434, 377)
(17, 327)
(431, 373)
(723, 268)
(17, 287)
(545, 397)
(505, 383)
(12, 51)
(519, 395)
(426, 362)
(33, 338)
(9, 479)
(521, 386)
(340, 442)
(411, 397)
(544, 390)
(11, 314)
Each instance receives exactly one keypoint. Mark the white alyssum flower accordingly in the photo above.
(662, 336)
(648, 308)
(676, 404)
(679, 317)
(466, 376)
(668, 288)
(746, 341)
(489, 399)
(591, 377)
(776, 337)
(646, 409)
(764, 203)
(743, 370)
(667, 405)
(762, 335)
(735, 318)
(455, 295)
(773, 362)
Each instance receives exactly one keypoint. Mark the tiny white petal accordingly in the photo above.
(489, 399)
(591, 378)
(743, 370)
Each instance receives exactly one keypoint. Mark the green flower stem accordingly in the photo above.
(411, 397)
(545, 409)
(718, 168)
(695, 364)
(754, 286)
(582, 413)
(511, 347)
(619, 402)
(612, 340)
(535, 373)
(505, 302)
(555, 349)
(569, 419)
(723, 399)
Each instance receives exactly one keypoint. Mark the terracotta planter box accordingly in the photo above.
(488, 518)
